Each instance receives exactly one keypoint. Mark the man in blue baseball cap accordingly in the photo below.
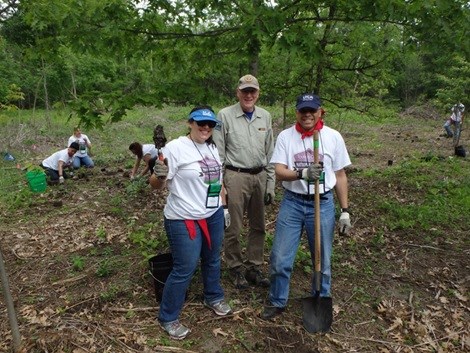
(294, 165)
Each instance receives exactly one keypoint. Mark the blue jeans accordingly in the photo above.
(82, 160)
(295, 215)
(186, 254)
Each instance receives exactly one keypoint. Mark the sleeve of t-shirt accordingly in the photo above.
(172, 158)
(280, 150)
(342, 154)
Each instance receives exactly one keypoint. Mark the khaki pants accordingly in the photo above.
(245, 193)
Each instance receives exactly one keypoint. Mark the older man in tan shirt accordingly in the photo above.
(245, 143)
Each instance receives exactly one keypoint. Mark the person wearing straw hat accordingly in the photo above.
(194, 218)
(293, 160)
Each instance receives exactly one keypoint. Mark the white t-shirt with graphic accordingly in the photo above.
(52, 162)
(191, 168)
(83, 150)
(296, 153)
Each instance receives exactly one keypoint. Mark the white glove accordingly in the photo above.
(226, 218)
(269, 195)
(132, 176)
(344, 224)
(312, 172)
(61, 179)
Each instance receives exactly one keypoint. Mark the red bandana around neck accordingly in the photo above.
(304, 133)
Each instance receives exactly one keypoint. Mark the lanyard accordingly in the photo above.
(204, 161)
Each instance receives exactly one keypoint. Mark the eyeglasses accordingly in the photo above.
(209, 123)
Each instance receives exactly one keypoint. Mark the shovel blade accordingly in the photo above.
(317, 314)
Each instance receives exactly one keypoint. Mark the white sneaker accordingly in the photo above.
(221, 308)
(175, 329)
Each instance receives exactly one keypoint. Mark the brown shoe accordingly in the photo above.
(255, 276)
(238, 278)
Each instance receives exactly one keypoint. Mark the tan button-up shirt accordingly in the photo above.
(245, 143)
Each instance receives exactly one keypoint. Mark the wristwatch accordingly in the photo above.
(345, 210)
(299, 173)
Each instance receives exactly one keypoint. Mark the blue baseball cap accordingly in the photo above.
(203, 115)
(308, 100)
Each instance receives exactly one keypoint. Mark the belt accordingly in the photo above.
(307, 197)
(245, 170)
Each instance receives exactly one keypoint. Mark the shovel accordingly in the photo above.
(317, 312)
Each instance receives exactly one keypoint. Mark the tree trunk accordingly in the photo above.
(74, 87)
(323, 43)
(15, 332)
(254, 45)
(46, 94)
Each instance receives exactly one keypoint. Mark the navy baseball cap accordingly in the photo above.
(308, 100)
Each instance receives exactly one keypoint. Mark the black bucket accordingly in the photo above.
(160, 268)
(460, 151)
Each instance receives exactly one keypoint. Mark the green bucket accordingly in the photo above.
(36, 180)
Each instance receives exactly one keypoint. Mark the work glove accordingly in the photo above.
(344, 224)
(226, 218)
(160, 170)
(269, 194)
(312, 172)
(61, 179)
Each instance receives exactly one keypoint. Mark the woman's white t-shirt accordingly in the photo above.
(83, 150)
(191, 168)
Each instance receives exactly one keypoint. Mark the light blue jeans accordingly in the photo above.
(82, 160)
(295, 215)
(186, 254)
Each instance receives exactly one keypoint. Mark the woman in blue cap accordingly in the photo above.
(195, 213)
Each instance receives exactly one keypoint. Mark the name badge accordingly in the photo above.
(213, 192)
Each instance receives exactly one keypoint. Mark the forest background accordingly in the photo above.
(388, 73)
(101, 58)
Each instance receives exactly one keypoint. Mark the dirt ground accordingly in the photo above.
(81, 285)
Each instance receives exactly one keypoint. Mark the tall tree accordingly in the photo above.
(186, 51)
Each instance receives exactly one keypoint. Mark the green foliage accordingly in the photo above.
(12, 95)
(101, 59)
(454, 83)
(146, 240)
(137, 186)
(78, 263)
(104, 268)
(439, 194)
(101, 233)
(110, 294)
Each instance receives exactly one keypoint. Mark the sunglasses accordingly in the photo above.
(308, 110)
(209, 123)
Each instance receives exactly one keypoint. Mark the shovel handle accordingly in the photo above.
(317, 256)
